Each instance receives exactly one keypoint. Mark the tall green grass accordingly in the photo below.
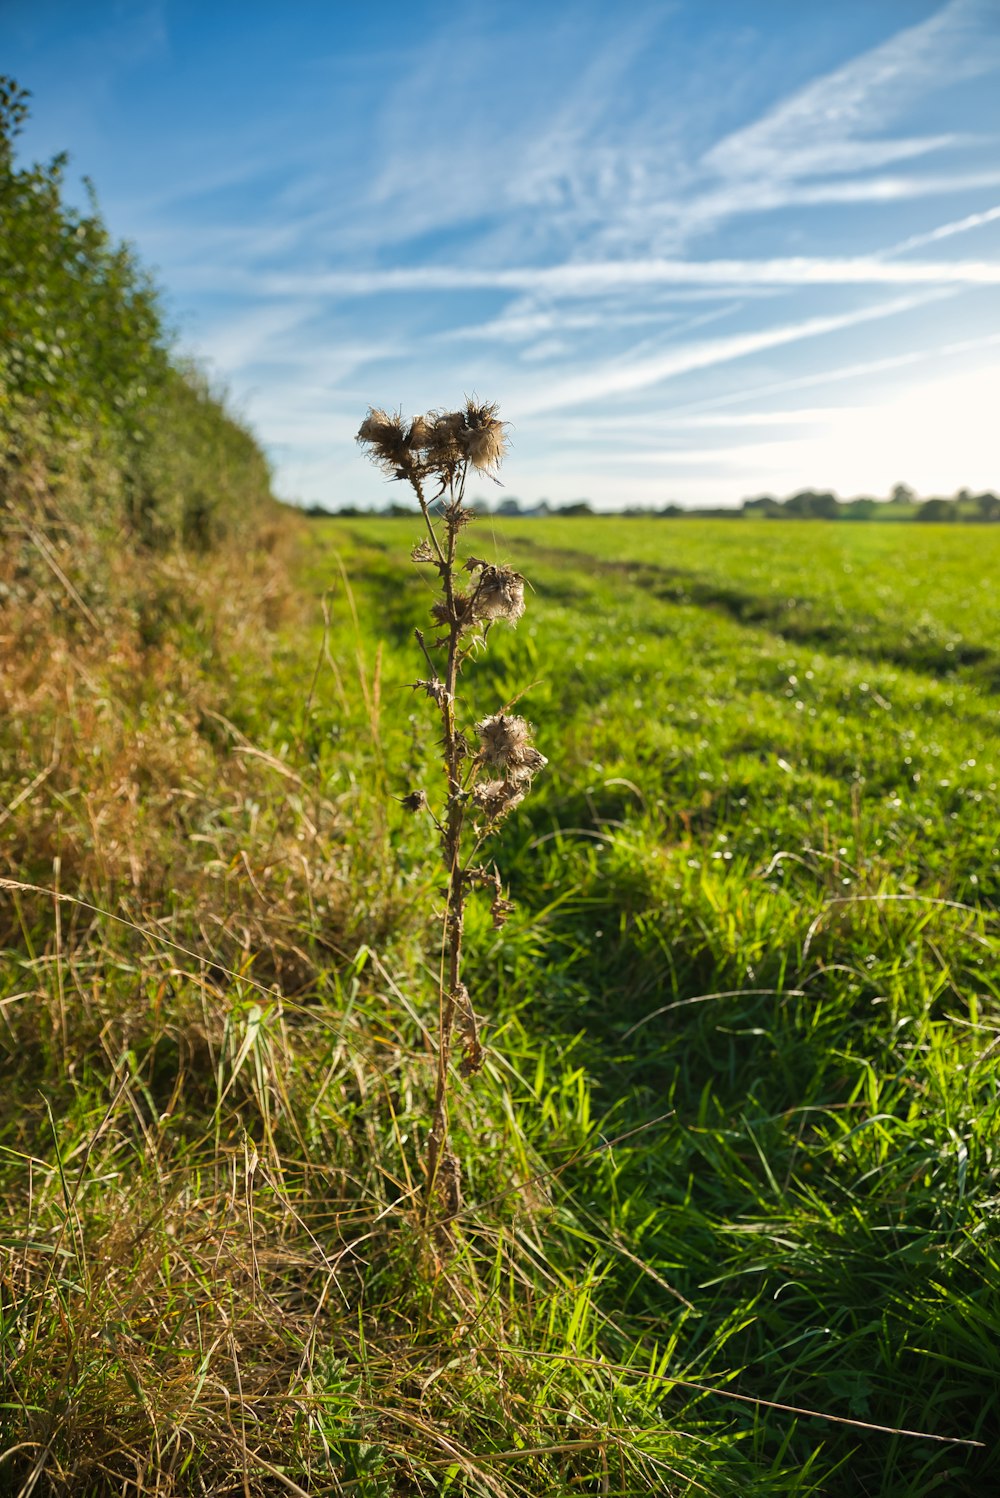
(730, 1159)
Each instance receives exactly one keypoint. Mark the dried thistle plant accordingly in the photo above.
(488, 765)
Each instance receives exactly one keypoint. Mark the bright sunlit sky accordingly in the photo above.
(696, 250)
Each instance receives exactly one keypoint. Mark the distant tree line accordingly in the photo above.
(808, 504)
(902, 504)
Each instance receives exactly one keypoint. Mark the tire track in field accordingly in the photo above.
(791, 618)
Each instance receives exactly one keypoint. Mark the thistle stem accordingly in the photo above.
(455, 908)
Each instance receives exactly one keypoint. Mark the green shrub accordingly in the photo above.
(88, 374)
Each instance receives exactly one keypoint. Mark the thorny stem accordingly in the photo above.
(495, 779)
(455, 906)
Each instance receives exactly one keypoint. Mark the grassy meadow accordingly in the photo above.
(729, 1174)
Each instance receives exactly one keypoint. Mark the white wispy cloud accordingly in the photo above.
(837, 122)
(622, 426)
(631, 374)
(945, 231)
(594, 278)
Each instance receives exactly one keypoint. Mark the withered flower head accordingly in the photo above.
(500, 594)
(464, 615)
(503, 739)
(485, 439)
(450, 422)
(376, 426)
(415, 801)
(530, 762)
(444, 449)
(385, 437)
(422, 552)
(420, 433)
(435, 689)
(486, 447)
(497, 797)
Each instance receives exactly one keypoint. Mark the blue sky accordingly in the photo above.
(696, 250)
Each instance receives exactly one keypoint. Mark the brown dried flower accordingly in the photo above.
(505, 744)
(497, 797)
(450, 423)
(435, 689)
(500, 594)
(486, 447)
(464, 613)
(385, 436)
(423, 552)
(485, 439)
(420, 433)
(415, 801)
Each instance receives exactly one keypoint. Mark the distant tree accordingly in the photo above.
(813, 506)
(902, 494)
(580, 507)
(988, 506)
(509, 506)
(860, 509)
(937, 510)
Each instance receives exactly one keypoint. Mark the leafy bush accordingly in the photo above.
(88, 374)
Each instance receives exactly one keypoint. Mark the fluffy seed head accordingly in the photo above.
(529, 762)
(464, 615)
(500, 594)
(503, 740)
(385, 437)
(450, 423)
(486, 447)
(497, 797)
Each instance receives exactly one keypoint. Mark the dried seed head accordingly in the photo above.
(528, 765)
(435, 689)
(420, 433)
(385, 438)
(450, 423)
(415, 801)
(422, 552)
(458, 515)
(500, 594)
(497, 797)
(487, 446)
(444, 450)
(503, 739)
(376, 425)
(464, 614)
(485, 439)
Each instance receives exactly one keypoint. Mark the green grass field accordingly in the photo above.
(733, 1156)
